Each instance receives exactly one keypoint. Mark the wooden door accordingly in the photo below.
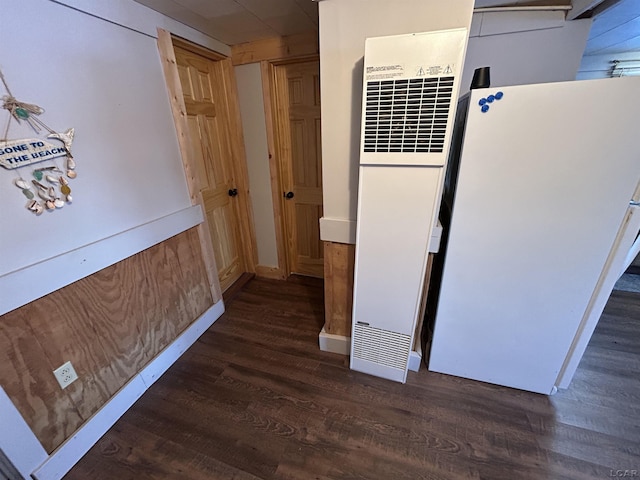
(209, 129)
(302, 172)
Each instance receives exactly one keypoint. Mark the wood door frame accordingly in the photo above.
(279, 145)
(166, 43)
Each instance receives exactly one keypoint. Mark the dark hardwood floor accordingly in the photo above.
(255, 398)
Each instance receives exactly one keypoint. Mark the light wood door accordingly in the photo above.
(209, 128)
(302, 177)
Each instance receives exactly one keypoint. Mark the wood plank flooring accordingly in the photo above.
(255, 398)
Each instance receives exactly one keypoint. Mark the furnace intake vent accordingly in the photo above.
(408, 115)
(379, 346)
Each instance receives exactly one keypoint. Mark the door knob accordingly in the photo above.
(233, 192)
(288, 195)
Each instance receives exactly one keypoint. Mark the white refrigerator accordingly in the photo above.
(545, 214)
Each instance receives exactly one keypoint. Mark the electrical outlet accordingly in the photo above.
(65, 375)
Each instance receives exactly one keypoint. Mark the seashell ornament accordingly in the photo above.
(48, 192)
(24, 186)
(35, 207)
(64, 186)
(20, 183)
(39, 185)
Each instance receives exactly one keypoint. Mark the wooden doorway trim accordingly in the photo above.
(271, 116)
(279, 145)
(169, 64)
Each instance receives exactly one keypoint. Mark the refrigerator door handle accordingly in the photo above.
(634, 203)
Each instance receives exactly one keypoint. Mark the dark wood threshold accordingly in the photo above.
(236, 287)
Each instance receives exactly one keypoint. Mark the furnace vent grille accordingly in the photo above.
(381, 346)
(408, 115)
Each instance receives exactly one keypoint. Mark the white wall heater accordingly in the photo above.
(410, 91)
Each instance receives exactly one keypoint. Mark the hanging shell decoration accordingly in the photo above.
(55, 194)
(19, 153)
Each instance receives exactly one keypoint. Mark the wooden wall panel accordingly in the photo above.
(25, 375)
(339, 260)
(109, 325)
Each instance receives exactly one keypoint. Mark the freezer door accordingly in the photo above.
(546, 175)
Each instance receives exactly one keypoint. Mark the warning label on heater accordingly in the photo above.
(384, 71)
(433, 70)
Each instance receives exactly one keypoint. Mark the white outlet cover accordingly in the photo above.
(65, 374)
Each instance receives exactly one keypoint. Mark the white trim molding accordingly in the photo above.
(334, 343)
(338, 230)
(415, 359)
(18, 444)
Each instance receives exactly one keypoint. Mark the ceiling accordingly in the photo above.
(615, 29)
(239, 21)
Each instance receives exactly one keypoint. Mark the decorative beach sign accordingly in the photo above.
(19, 153)
(51, 190)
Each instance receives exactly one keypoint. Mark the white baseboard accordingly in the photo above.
(415, 359)
(74, 448)
(334, 343)
(18, 444)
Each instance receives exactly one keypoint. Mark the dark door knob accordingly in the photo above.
(233, 192)
(288, 195)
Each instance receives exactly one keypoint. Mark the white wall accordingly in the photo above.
(521, 48)
(102, 76)
(251, 100)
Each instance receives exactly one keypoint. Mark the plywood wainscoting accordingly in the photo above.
(109, 325)
(339, 259)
